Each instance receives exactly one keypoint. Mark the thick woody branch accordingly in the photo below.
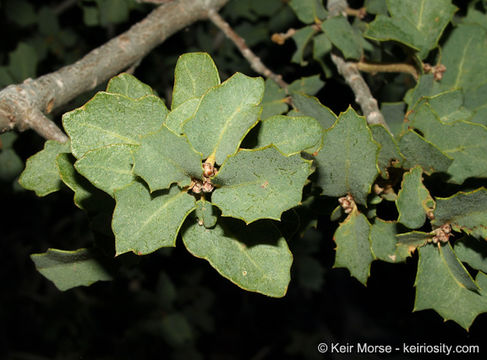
(22, 105)
(352, 76)
(239, 42)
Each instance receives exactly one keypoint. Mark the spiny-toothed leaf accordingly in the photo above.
(343, 36)
(417, 23)
(225, 115)
(108, 168)
(309, 11)
(311, 106)
(302, 37)
(164, 158)
(307, 85)
(353, 246)
(68, 269)
(466, 211)
(178, 116)
(41, 173)
(86, 196)
(438, 289)
(414, 200)
(467, 150)
(128, 85)
(389, 155)
(472, 251)
(262, 183)
(274, 99)
(290, 135)
(461, 54)
(206, 213)
(347, 163)
(194, 75)
(254, 257)
(418, 151)
(385, 244)
(112, 119)
(144, 222)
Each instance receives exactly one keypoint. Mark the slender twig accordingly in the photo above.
(395, 67)
(352, 76)
(21, 105)
(65, 5)
(239, 42)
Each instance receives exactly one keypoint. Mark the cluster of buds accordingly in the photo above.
(437, 70)
(442, 234)
(347, 203)
(205, 185)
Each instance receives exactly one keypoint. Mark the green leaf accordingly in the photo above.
(394, 116)
(460, 54)
(466, 211)
(413, 200)
(418, 151)
(254, 257)
(225, 115)
(321, 47)
(311, 106)
(307, 85)
(424, 87)
(309, 11)
(302, 37)
(23, 62)
(41, 173)
(68, 269)
(438, 288)
(128, 85)
(353, 246)
(468, 148)
(86, 196)
(376, 6)
(108, 168)
(113, 11)
(473, 252)
(22, 13)
(414, 239)
(347, 161)
(205, 212)
(389, 154)
(343, 36)
(386, 245)
(417, 23)
(194, 75)
(109, 119)
(144, 222)
(178, 116)
(290, 135)
(256, 184)
(448, 106)
(274, 99)
(456, 268)
(11, 164)
(164, 158)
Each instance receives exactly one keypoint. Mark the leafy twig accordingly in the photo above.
(396, 67)
(239, 42)
(22, 105)
(352, 76)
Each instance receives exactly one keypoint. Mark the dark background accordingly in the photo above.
(170, 304)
